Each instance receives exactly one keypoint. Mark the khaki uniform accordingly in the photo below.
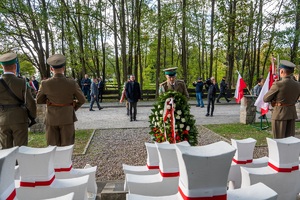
(59, 93)
(284, 94)
(179, 86)
(14, 119)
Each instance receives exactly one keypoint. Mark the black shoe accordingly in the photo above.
(202, 106)
(228, 101)
(218, 102)
(128, 114)
(131, 120)
(100, 108)
(92, 110)
(197, 106)
(211, 115)
(135, 119)
(207, 115)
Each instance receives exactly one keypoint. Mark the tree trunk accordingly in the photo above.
(158, 46)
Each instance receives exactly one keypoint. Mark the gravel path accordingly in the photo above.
(117, 141)
(110, 148)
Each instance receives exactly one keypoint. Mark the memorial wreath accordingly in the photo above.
(170, 119)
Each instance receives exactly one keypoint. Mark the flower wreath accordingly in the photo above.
(171, 120)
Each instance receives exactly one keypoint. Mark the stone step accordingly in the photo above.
(111, 190)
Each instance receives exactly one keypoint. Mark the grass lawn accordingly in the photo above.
(241, 131)
(81, 139)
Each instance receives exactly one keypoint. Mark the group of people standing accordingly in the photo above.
(211, 88)
(62, 95)
(92, 90)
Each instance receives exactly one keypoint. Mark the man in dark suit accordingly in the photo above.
(13, 114)
(223, 88)
(211, 87)
(94, 95)
(63, 97)
(283, 95)
(133, 94)
(86, 86)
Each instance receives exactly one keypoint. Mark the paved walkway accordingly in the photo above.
(114, 115)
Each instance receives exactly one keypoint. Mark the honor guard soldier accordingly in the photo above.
(172, 84)
(63, 97)
(16, 104)
(283, 96)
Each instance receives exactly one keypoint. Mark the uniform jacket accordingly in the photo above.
(133, 91)
(285, 91)
(19, 87)
(60, 90)
(179, 86)
(94, 89)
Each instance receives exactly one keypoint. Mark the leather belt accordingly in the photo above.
(59, 104)
(282, 104)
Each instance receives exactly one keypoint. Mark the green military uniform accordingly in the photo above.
(14, 117)
(59, 94)
(284, 94)
(178, 85)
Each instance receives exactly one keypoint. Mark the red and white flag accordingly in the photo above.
(239, 89)
(259, 103)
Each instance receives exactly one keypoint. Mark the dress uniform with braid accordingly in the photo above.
(63, 97)
(13, 115)
(283, 95)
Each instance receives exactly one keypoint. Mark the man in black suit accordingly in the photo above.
(133, 94)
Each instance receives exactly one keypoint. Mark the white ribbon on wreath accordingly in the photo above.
(169, 110)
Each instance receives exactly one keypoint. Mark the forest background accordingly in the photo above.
(115, 38)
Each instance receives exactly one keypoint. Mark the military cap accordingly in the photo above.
(199, 78)
(170, 71)
(8, 59)
(57, 61)
(287, 65)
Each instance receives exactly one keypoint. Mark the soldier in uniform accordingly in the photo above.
(283, 95)
(13, 113)
(173, 84)
(63, 97)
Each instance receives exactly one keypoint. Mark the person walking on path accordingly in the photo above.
(133, 94)
(223, 89)
(211, 87)
(63, 97)
(199, 92)
(283, 96)
(172, 84)
(16, 104)
(86, 87)
(94, 95)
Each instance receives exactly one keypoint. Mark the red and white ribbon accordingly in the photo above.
(281, 169)
(169, 110)
(216, 197)
(37, 183)
(66, 169)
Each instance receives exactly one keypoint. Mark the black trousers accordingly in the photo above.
(222, 94)
(132, 105)
(211, 101)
